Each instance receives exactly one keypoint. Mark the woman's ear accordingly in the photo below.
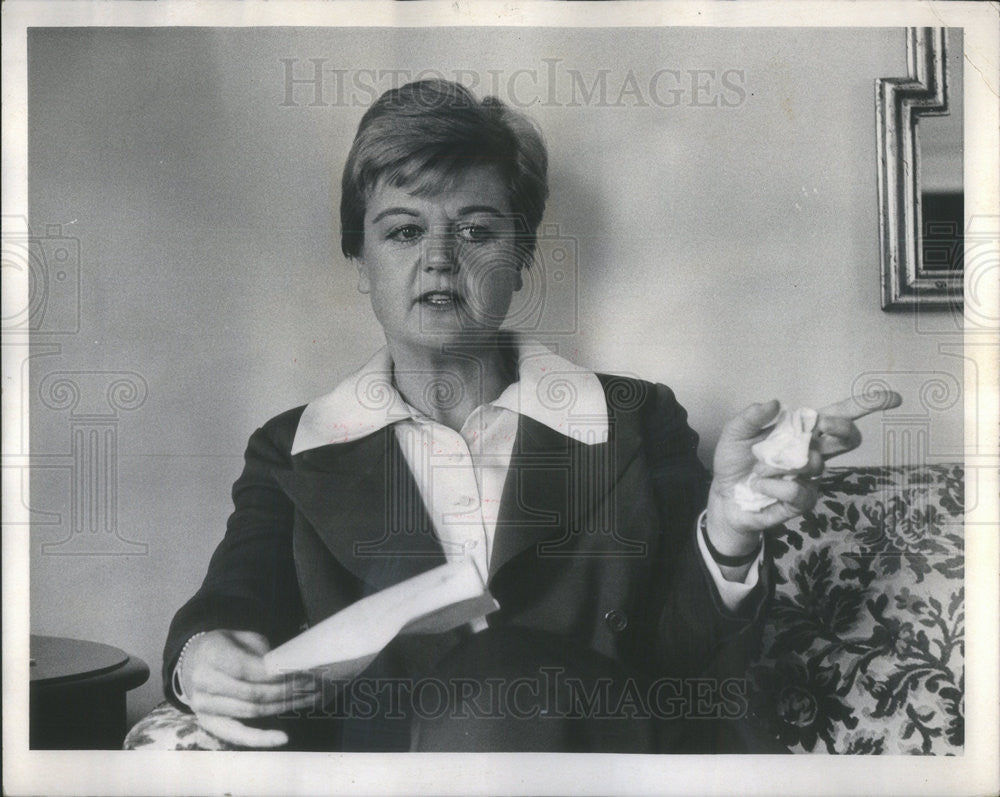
(364, 283)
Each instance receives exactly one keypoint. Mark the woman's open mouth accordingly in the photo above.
(439, 299)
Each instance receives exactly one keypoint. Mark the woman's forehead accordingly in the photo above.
(476, 186)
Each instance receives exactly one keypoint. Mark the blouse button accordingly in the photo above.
(616, 620)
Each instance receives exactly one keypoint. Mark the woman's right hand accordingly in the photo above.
(223, 680)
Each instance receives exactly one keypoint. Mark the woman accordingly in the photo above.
(615, 560)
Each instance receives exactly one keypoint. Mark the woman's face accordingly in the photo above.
(440, 268)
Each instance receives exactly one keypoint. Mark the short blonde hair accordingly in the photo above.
(425, 134)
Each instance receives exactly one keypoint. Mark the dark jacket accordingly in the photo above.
(593, 543)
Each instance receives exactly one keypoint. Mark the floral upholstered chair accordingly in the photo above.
(864, 649)
(167, 728)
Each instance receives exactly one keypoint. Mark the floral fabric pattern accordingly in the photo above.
(864, 648)
(168, 728)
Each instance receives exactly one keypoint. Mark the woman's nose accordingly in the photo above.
(440, 252)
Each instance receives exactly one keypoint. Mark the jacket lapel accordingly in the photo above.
(364, 505)
(559, 490)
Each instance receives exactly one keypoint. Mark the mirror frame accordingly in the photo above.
(900, 102)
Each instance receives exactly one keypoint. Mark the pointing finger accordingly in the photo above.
(859, 406)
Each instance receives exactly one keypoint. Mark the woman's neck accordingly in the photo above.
(448, 383)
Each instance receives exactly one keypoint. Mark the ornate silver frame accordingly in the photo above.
(900, 102)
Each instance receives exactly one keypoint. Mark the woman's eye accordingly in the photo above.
(475, 233)
(407, 232)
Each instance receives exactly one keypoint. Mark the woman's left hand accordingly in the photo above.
(735, 531)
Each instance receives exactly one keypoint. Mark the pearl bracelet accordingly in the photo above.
(176, 678)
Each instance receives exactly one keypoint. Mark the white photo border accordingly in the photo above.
(40, 772)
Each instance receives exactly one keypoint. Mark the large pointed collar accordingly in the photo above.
(550, 390)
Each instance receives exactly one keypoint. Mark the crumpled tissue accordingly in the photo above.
(786, 448)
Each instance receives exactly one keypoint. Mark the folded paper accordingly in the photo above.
(344, 644)
(785, 449)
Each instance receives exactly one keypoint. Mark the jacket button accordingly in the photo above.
(616, 620)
